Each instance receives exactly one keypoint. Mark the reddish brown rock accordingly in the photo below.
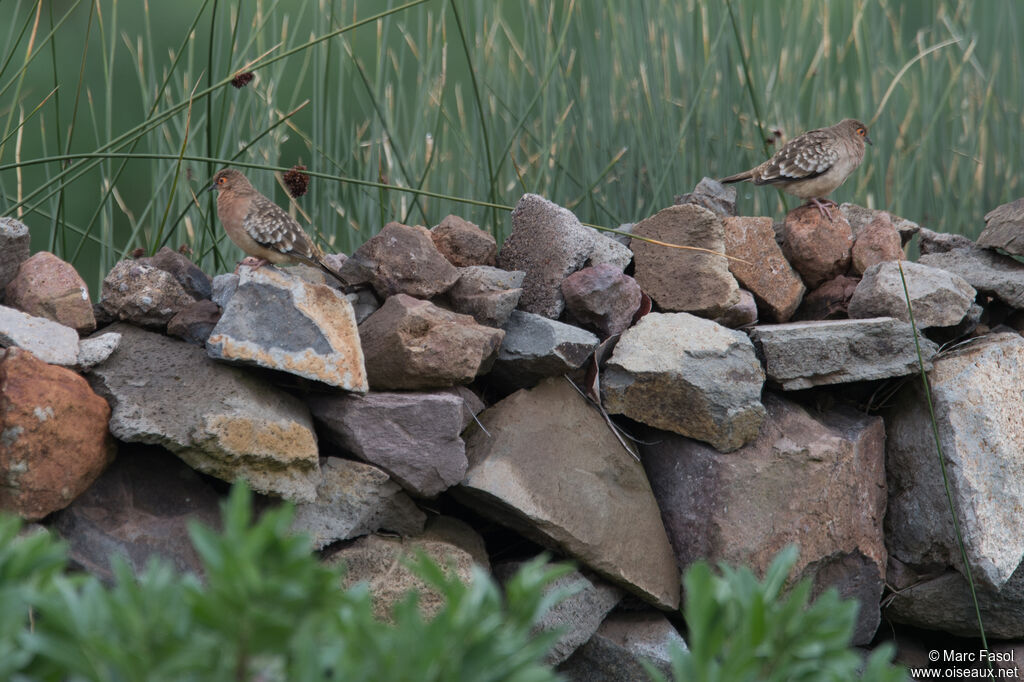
(463, 243)
(765, 273)
(46, 286)
(410, 344)
(679, 280)
(401, 259)
(601, 298)
(53, 441)
(876, 242)
(195, 323)
(817, 480)
(829, 301)
(818, 248)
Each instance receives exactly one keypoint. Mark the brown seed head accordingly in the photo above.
(296, 181)
(242, 79)
(138, 252)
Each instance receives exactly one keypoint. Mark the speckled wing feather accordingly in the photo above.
(802, 158)
(270, 226)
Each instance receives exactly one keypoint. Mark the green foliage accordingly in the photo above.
(266, 609)
(742, 629)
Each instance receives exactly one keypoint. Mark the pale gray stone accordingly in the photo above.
(688, 375)
(987, 271)
(488, 294)
(816, 353)
(939, 298)
(49, 341)
(712, 195)
(95, 349)
(608, 251)
(224, 287)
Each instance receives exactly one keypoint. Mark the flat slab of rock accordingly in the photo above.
(548, 243)
(15, 248)
(53, 435)
(814, 479)
(49, 287)
(766, 273)
(976, 391)
(463, 243)
(49, 341)
(138, 509)
(688, 375)
(382, 563)
(401, 259)
(1004, 228)
(355, 499)
(414, 437)
(411, 344)
(552, 470)
(578, 615)
(804, 354)
(488, 294)
(535, 347)
(142, 294)
(818, 248)
(615, 652)
(281, 322)
(708, 289)
(939, 298)
(987, 271)
(219, 419)
(601, 298)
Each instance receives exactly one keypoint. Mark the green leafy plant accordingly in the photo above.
(265, 609)
(742, 628)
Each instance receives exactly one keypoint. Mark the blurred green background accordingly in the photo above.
(606, 107)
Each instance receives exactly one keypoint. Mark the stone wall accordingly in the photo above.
(623, 404)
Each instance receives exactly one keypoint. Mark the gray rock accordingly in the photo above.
(712, 195)
(623, 233)
(364, 303)
(143, 295)
(196, 322)
(615, 652)
(608, 251)
(224, 287)
(355, 499)
(551, 469)
(139, 509)
(194, 281)
(401, 259)
(987, 271)
(601, 298)
(803, 354)
(939, 298)
(743, 314)
(220, 419)
(411, 344)
(49, 341)
(414, 437)
(578, 616)
(488, 294)
(860, 217)
(942, 242)
(814, 479)
(95, 349)
(548, 243)
(708, 288)
(976, 392)
(281, 322)
(688, 375)
(1004, 228)
(15, 248)
(535, 347)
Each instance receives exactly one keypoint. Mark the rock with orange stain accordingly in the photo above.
(282, 322)
(221, 420)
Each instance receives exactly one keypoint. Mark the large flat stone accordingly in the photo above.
(979, 408)
(49, 341)
(282, 322)
(708, 288)
(817, 480)
(805, 354)
(414, 437)
(549, 467)
(987, 271)
(548, 243)
(688, 375)
(219, 419)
